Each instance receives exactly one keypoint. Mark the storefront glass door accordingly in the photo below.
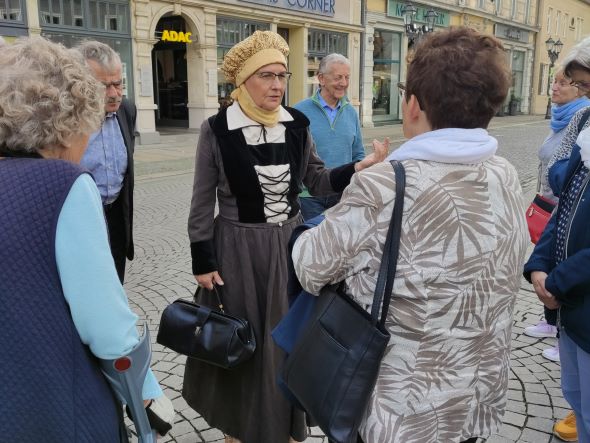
(170, 76)
(386, 72)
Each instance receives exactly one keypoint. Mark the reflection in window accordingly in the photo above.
(386, 69)
(102, 15)
(319, 44)
(518, 73)
(11, 10)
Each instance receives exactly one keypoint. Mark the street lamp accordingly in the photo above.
(414, 31)
(553, 49)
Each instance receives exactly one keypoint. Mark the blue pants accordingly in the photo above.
(313, 206)
(575, 382)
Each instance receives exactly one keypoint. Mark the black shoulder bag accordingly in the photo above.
(334, 366)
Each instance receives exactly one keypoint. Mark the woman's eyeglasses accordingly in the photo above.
(269, 77)
(401, 87)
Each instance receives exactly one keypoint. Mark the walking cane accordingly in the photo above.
(126, 375)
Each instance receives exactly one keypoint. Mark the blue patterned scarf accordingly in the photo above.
(561, 115)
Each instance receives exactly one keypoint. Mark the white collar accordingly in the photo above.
(237, 119)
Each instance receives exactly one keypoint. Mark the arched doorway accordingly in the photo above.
(170, 71)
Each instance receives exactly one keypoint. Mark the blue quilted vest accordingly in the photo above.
(51, 389)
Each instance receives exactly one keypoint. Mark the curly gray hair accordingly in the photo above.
(47, 94)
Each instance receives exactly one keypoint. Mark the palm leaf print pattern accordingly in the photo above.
(445, 373)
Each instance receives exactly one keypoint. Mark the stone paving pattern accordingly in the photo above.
(161, 273)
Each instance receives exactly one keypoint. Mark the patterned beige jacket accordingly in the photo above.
(445, 372)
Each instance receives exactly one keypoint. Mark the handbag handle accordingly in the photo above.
(200, 290)
(388, 266)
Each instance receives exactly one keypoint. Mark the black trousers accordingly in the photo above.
(117, 238)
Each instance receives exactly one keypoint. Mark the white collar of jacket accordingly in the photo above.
(236, 118)
(449, 145)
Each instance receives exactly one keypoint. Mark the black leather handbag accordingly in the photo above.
(334, 366)
(209, 335)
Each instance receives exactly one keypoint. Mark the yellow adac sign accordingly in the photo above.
(176, 36)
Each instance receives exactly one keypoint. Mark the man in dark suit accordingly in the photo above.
(109, 156)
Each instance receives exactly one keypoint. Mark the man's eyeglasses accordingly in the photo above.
(581, 85)
(269, 77)
(401, 87)
(118, 85)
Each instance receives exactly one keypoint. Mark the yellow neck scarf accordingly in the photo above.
(256, 113)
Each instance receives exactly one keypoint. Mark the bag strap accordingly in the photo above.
(388, 266)
(200, 290)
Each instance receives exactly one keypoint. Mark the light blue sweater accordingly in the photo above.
(97, 301)
(339, 142)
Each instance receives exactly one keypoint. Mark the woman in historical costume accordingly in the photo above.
(254, 156)
(444, 376)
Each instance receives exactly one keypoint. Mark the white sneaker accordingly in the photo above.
(552, 354)
(541, 330)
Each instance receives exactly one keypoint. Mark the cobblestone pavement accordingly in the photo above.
(161, 273)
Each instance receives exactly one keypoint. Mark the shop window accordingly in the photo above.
(386, 73)
(518, 73)
(121, 45)
(107, 16)
(543, 76)
(11, 10)
(111, 22)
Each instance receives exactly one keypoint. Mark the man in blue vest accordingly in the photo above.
(109, 156)
(334, 125)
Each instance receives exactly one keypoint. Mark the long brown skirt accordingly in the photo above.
(245, 402)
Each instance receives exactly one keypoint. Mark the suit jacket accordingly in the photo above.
(126, 116)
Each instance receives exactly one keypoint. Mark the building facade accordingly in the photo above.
(512, 21)
(179, 49)
(567, 21)
(172, 51)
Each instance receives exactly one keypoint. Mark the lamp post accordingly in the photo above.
(553, 49)
(414, 31)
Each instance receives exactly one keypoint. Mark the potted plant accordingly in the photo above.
(513, 104)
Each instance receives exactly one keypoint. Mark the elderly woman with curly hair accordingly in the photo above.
(444, 376)
(61, 303)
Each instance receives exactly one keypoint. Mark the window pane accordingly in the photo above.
(78, 15)
(10, 10)
(44, 11)
(386, 69)
(92, 13)
(67, 12)
(56, 13)
(102, 13)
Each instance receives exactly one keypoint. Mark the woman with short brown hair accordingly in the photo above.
(444, 376)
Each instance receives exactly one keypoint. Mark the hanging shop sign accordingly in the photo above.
(176, 36)
(318, 7)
